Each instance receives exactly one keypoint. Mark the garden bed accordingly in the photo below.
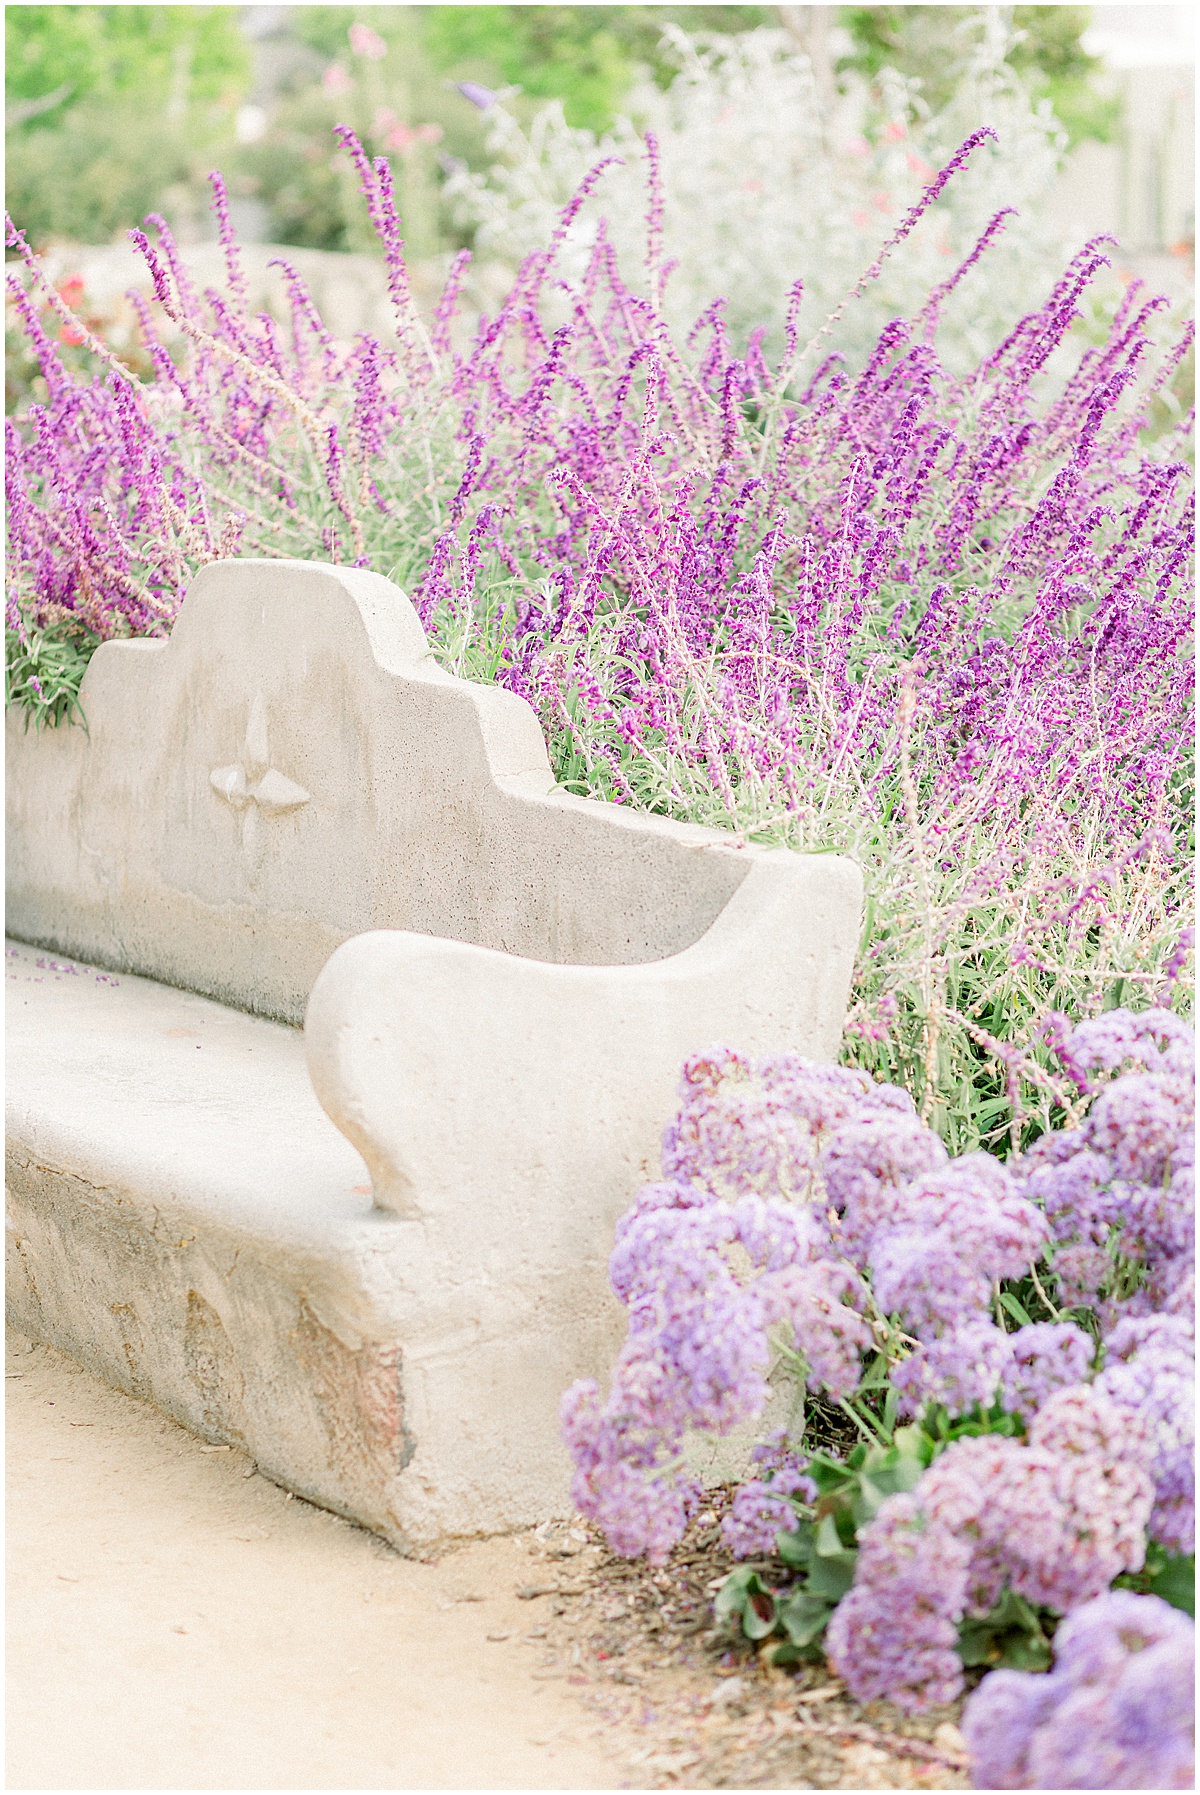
(934, 621)
(641, 1648)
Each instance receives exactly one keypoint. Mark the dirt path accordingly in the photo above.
(175, 1622)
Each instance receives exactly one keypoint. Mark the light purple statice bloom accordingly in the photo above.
(1159, 1220)
(1156, 1039)
(999, 1723)
(1070, 1184)
(976, 1205)
(778, 1234)
(1141, 1121)
(1093, 1644)
(1149, 1373)
(729, 1244)
(1116, 1712)
(957, 1369)
(761, 1508)
(867, 1165)
(925, 1278)
(894, 1635)
(826, 1098)
(1081, 1270)
(821, 1301)
(1119, 1191)
(734, 1135)
(1055, 1521)
(1045, 1356)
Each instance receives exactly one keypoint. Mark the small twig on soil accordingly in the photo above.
(895, 1743)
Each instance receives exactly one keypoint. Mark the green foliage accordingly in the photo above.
(119, 110)
(585, 56)
(108, 165)
(1012, 1636)
(401, 106)
(822, 1552)
(744, 1597)
(43, 670)
(934, 45)
(143, 98)
(1174, 1579)
(158, 55)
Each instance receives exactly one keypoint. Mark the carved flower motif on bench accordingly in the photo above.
(256, 789)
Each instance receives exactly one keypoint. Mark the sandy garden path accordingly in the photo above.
(174, 1621)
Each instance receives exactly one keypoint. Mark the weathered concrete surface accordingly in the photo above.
(291, 769)
(253, 800)
(477, 1084)
(185, 1221)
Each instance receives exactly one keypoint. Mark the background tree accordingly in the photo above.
(113, 110)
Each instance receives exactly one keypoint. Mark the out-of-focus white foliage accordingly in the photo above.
(763, 186)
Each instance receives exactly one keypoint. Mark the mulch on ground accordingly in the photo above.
(691, 1706)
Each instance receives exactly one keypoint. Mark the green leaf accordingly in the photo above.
(1013, 1308)
(1011, 1636)
(795, 1548)
(976, 1643)
(758, 1618)
(745, 1597)
(1024, 1651)
(830, 1578)
(1176, 1583)
(43, 672)
(877, 1374)
(828, 1541)
(734, 1593)
(804, 1616)
(868, 1497)
(914, 1442)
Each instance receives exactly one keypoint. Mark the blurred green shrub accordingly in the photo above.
(112, 111)
(400, 103)
(933, 45)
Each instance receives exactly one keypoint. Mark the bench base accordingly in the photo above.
(185, 1221)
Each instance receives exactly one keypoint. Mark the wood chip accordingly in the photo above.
(892, 1742)
(824, 1694)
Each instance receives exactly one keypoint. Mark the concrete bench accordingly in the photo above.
(289, 807)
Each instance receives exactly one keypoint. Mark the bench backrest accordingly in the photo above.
(292, 768)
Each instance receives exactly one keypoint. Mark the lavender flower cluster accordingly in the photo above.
(1119, 1191)
(807, 1203)
(1116, 1712)
(932, 618)
(765, 1505)
(1106, 1463)
(1054, 1520)
(733, 1243)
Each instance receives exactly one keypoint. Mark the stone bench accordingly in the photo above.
(289, 806)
